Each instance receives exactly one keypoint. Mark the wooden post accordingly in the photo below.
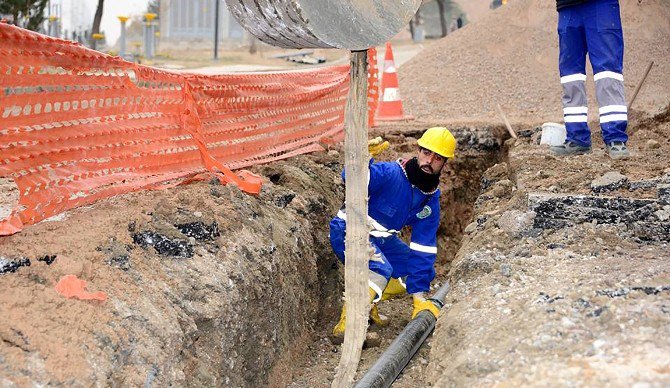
(356, 269)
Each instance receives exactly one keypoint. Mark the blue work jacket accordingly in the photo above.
(395, 203)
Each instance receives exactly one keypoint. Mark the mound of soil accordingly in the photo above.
(474, 10)
(573, 292)
(510, 57)
(206, 285)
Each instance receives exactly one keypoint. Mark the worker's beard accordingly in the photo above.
(424, 181)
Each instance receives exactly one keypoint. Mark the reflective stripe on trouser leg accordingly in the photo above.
(380, 271)
(377, 282)
(575, 110)
(612, 102)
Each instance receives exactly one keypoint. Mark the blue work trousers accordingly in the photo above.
(592, 28)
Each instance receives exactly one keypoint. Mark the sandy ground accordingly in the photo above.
(510, 57)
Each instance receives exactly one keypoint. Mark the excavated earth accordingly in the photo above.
(206, 285)
(563, 277)
(559, 268)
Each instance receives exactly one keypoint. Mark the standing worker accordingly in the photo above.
(401, 193)
(593, 27)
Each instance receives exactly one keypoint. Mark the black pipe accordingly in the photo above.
(389, 365)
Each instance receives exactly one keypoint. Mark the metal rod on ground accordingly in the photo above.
(389, 365)
(507, 124)
(356, 159)
(639, 86)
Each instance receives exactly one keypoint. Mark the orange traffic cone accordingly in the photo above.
(390, 106)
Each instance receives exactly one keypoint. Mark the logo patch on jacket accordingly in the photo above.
(425, 212)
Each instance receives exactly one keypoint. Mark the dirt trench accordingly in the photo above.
(479, 149)
(206, 285)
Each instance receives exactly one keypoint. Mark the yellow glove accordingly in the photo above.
(393, 288)
(420, 304)
(376, 146)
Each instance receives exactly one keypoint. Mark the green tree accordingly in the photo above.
(28, 14)
(154, 7)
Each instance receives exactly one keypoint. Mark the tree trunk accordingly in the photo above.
(96, 22)
(253, 46)
(443, 17)
(356, 193)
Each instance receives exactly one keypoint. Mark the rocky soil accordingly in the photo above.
(206, 285)
(571, 294)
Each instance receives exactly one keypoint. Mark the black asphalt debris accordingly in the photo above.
(199, 230)
(640, 216)
(12, 265)
(164, 245)
(546, 298)
(48, 259)
(627, 290)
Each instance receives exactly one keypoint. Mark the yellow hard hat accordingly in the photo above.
(439, 140)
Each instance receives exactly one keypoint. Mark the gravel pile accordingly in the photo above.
(510, 56)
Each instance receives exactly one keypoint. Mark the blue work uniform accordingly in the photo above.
(592, 27)
(394, 203)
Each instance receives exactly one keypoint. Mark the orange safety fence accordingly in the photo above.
(77, 125)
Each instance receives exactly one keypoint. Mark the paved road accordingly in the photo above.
(401, 55)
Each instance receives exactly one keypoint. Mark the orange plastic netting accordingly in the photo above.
(77, 125)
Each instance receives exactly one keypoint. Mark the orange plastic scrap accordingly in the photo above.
(10, 225)
(71, 287)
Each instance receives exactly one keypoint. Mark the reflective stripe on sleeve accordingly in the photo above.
(378, 229)
(376, 233)
(422, 248)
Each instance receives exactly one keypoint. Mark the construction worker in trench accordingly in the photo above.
(401, 193)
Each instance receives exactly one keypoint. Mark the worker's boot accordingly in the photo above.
(618, 150)
(393, 289)
(375, 317)
(570, 148)
(338, 330)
